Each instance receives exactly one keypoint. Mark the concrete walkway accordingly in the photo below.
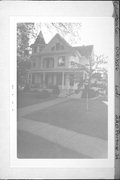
(29, 109)
(90, 146)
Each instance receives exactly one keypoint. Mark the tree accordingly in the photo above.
(70, 31)
(94, 69)
(94, 65)
(24, 31)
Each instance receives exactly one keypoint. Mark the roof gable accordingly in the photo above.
(39, 40)
(57, 44)
(85, 50)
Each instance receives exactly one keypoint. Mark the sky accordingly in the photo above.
(94, 31)
(100, 33)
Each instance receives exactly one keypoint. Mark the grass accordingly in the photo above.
(73, 115)
(27, 99)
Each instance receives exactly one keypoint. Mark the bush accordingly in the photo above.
(91, 93)
(56, 90)
(77, 91)
(43, 94)
(50, 86)
(26, 88)
(35, 85)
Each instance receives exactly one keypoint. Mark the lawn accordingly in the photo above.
(73, 115)
(27, 99)
(32, 146)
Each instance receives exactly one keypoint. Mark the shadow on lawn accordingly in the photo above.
(29, 98)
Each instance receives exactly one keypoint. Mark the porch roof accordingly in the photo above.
(58, 70)
(84, 50)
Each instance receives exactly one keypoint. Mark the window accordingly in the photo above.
(39, 62)
(61, 61)
(34, 64)
(48, 62)
(53, 48)
(57, 46)
(35, 49)
(62, 47)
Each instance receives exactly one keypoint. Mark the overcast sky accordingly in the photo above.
(100, 33)
(94, 31)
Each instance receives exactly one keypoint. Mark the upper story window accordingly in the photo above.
(39, 63)
(61, 61)
(48, 62)
(33, 64)
(53, 48)
(35, 50)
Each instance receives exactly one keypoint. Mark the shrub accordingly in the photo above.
(56, 90)
(77, 91)
(43, 94)
(91, 93)
(26, 88)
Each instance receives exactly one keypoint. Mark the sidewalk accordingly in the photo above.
(90, 146)
(29, 109)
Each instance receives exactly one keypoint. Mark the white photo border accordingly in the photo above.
(54, 163)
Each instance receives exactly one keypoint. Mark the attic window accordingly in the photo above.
(61, 47)
(57, 47)
(53, 48)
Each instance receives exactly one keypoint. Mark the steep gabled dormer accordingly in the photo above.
(39, 44)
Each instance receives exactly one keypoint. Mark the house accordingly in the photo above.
(57, 64)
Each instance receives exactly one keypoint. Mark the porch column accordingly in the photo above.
(54, 78)
(30, 80)
(62, 80)
(83, 75)
(43, 79)
(67, 80)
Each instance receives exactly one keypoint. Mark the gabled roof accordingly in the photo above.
(39, 40)
(57, 36)
(62, 39)
(84, 50)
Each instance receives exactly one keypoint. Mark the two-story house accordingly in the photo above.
(58, 63)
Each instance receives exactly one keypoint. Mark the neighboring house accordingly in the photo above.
(99, 81)
(58, 63)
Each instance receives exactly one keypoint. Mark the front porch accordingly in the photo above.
(65, 81)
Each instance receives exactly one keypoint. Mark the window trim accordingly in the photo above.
(48, 59)
(58, 64)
